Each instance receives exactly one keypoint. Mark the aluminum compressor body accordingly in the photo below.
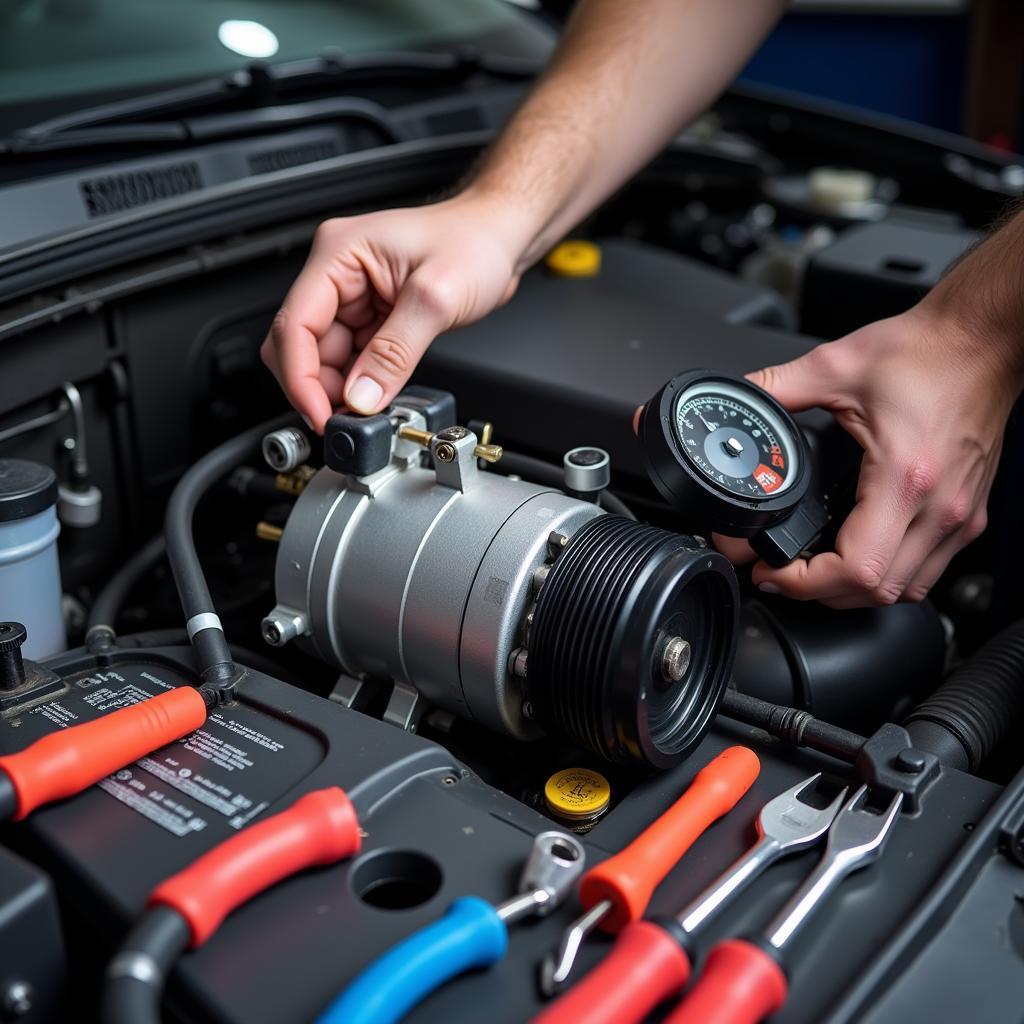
(428, 577)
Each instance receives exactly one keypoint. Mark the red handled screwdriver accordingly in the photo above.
(186, 909)
(650, 960)
(617, 891)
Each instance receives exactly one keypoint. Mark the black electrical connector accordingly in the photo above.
(357, 445)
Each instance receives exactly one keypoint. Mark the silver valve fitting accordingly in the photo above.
(286, 449)
(587, 472)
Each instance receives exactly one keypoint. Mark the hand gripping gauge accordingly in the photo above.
(726, 453)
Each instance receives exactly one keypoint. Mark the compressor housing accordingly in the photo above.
(513, 604)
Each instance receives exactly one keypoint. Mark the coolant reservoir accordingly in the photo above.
(30, 590)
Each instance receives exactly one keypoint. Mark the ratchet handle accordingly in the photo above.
(740, 984)
(66, 762)
(470, 934)
(645, 966)
(319, 828)
(629, 878)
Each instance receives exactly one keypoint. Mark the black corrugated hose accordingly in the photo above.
(973, 710)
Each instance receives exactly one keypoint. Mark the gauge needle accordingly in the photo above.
(711, 426)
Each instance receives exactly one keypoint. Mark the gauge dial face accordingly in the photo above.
(737, 441)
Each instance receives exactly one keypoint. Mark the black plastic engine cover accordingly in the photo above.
(428, 820)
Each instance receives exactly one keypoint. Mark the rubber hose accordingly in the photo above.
(210, 644)
(137, 974)
(550, 475)
(792, 725)
(112, 597)
(976, 706)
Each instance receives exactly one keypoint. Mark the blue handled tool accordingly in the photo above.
(472, 933)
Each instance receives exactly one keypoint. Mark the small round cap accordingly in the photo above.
(574, 258)
(12, 636)
(26, 489)
(576, 793)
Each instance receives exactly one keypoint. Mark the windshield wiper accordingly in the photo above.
(209, 128)
(260, 85)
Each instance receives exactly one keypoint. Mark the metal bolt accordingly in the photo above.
(268, 531)
(518, 663)
(528, 625)
(281, 626)
(445, 452)
(449, 780)
(540, 575)
(556, 543)
(527, 710)
(453, 434)
(17, 999)
(675, 659)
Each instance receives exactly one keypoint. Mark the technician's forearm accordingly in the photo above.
(983, 297)
(627, 76)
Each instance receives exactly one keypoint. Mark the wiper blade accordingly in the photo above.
(211, 127)
(265, 85)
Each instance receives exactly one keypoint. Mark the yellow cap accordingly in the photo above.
(577, 793)
(575, 258)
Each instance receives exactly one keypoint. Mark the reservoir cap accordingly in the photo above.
(577, 794)
(26, 489)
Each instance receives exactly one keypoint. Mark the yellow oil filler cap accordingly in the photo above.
(577, 796)
(575, 258)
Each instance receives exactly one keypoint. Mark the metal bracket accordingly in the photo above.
(888, 762)
(351, 693)
(454, 460)
(405, 707)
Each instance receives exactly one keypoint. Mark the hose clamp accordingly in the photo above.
(205, 620)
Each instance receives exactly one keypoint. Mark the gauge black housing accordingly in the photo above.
(684, 487)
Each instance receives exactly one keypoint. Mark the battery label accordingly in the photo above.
(161, 808)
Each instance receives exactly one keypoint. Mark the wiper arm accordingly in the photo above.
(263, 85)
(211, 127)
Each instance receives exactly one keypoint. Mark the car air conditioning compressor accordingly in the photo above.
(406, 562)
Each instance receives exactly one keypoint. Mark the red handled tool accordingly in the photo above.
(186, 909)
(617, 891)
(744, 981)
(651, 959)
(66, 762)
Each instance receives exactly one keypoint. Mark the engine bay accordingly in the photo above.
(494, 617)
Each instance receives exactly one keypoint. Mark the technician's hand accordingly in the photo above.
(375, 292)
(928, 404)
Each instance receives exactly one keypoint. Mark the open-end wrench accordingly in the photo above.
(472, 933)
(744, 981)
(617, 890)
(650, 960)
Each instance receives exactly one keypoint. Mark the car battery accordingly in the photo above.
(434, 831)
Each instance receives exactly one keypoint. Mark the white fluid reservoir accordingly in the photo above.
(30, 590)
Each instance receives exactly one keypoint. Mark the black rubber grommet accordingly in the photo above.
(612, 599)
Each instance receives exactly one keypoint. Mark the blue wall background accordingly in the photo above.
(909, 66)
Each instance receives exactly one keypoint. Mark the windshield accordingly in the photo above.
(62, 54)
